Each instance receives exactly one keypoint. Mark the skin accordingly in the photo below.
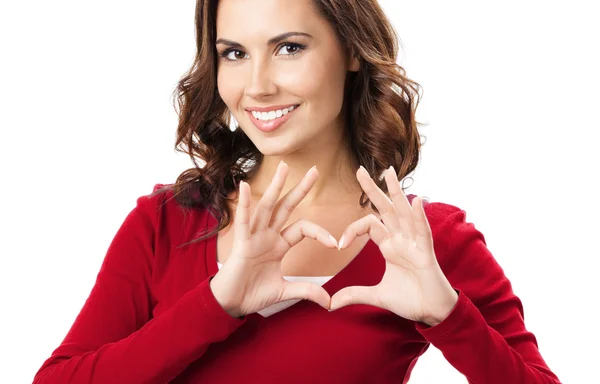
(413, 285)
(268, 75)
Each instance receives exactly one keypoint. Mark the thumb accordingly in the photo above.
(353, 295)
(306, 291)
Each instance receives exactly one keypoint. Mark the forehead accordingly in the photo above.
(245, 18)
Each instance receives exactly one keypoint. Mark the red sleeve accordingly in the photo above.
(484, 337)
(114, 339)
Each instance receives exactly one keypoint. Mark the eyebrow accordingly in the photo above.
(272, 41)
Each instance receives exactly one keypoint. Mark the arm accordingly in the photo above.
(484, 337)
(115, 339)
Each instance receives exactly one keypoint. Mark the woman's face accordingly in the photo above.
(306, 70)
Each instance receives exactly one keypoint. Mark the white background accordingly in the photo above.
(87, 125)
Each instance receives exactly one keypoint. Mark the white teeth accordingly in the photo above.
(271, 115)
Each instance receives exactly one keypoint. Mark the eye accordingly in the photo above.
(237, 55)
(292, 48)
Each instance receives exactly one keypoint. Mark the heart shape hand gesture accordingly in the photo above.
(413, 285)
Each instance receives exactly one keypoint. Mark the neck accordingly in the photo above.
(335, 163)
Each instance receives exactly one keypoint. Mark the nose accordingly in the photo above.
(260, 83)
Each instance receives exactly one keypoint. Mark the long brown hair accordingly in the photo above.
(379, 102)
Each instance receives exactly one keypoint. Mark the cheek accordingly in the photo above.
(226, 89)
(324, 91)
(318, 82)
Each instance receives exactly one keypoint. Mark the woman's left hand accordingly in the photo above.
(413, 285)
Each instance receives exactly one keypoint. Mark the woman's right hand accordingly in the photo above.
(251, 278)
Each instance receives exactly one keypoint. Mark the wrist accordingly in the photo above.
(221, 297)
(442, 311)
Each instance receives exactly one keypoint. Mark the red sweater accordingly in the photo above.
(152, 318)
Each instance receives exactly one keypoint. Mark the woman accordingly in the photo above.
(204, 280)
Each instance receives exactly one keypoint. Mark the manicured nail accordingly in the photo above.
(341, 244)
(332, 239)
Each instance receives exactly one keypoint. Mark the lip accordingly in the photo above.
(271, 125)
(270, 108)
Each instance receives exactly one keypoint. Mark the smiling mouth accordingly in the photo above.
(273, 115)
(273, 119)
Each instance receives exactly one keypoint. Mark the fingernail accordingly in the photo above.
(332, 239)
(341, 244)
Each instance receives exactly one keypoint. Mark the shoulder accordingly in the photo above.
(459, 245)
(160, 200)
(449, 226)
(449, 222)
(169, 219)
(438, 213)
(441, 215)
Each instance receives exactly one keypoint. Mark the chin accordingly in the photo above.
(269, 146)
(273, 149)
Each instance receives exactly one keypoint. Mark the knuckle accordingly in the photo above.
(372, 217)
(303, 189)
(287, 207)
(396, 194)
(268, 205)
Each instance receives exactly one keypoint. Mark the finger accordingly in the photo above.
(264, 209)
(423, 236)
(353, 295)
(287, 204)
(379, 199)
(404, 212)
(369, 224)
(306, 291)
(241, 225)
(301, 228)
